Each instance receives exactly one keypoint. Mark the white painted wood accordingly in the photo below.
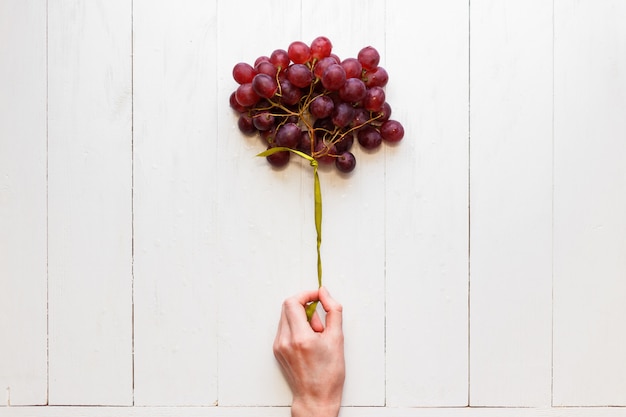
(220, 238)
(285, 412)
(590, 204)
(263, 222)
(427, 205)
(90, 229)
(511, 207)
(23, 350)
(354, 214)
(175, 236)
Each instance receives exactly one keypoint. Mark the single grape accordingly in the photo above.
(368, 57)
(334, 77)
(262, 58)
(268, 136)
(321, 65)
(234, 104)
(299, 75)
(377, 77)
(321, 107)
(299, 52)
(374, 99)
(246, 96)
(280, 59)
(345, 143)
(369, 137)
(325, 153)
(264, 85)
(263, 120)
(266, 67)
(361, 117)
(290, 94)
(243, 73)
(343, 114)
(392, 131)
(321, 47)
(245, 124)
(384, 114)
(288, 135)
(278, 159)
(345, 162)
(353, 90)
(353, 67)
(305, 142)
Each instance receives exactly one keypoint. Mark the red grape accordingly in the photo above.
(321, 107)
(280, 59)
(369, 137)
(299, 75)
(264, 85)
(325, 153)
(368, 57)
(278, 159)
(288, 135)
(266, 67)
(334, 77)
(290, 94)
(392, 131)
(343, 114)
(353, 67)
(243, 73)
(345, 162)
(246, 96)
(353, 90)
(263, 120)
(234, 104)
(377, 77)
(299, 52)
(321, 47)
(374, 99)
(245, 124)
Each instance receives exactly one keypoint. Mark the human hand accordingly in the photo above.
(311, 354)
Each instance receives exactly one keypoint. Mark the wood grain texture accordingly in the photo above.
(589, 204)
(23, 212)
(90, 211)
(427, 177)
(175, 236)
(511, 205)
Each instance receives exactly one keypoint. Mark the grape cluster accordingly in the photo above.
(307, 99)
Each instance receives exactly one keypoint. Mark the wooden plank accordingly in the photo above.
(511, 203)
(263, 257)
(23, 320)
(175, 237)
(427, 213)
(285, 412)
(354, 213)
(590, 203)
(90, 211)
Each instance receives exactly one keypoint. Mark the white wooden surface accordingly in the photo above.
(145, 251)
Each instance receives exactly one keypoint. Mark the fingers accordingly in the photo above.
(294, 311)
(334, 311)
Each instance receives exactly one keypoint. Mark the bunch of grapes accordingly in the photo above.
(307, 99)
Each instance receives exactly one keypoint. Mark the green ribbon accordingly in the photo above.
(317, 191)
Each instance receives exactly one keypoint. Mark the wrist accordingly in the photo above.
(311, 408)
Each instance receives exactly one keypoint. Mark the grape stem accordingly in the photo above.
(317, 192)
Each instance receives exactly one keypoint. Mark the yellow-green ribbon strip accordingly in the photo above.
(317, 192)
